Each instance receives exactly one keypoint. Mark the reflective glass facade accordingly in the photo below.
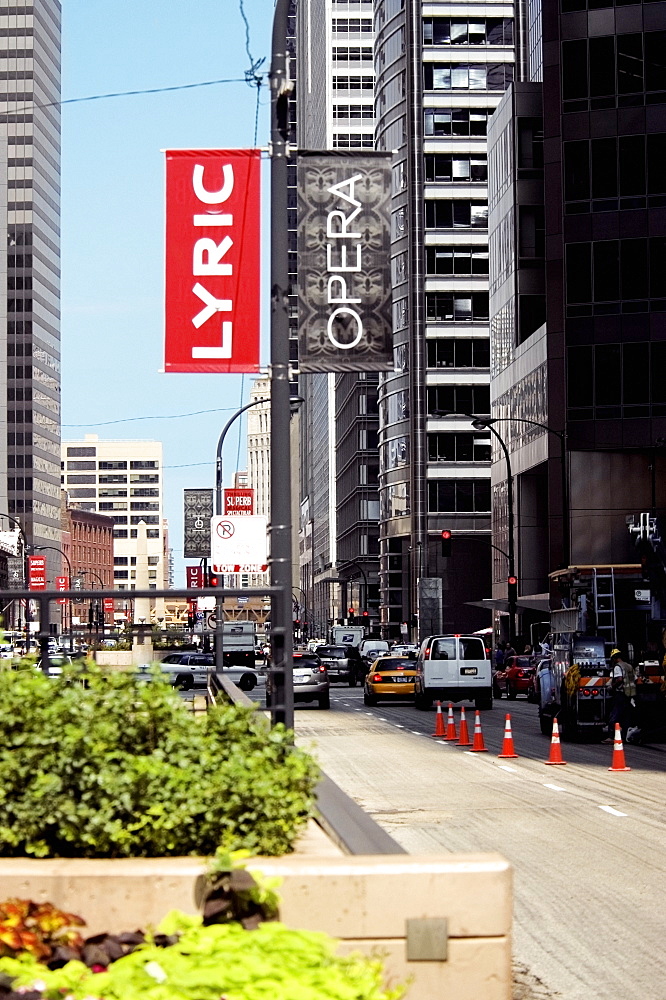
(30, 67)
(441, 71)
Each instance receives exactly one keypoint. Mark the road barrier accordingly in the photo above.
(555, 746)
(618, 762)
(451, 733)
(508, 749)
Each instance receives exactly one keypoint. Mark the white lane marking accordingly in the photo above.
(382, 720)
(369, 713)
(555, 788)
(613, 812)
(416, 732)
(399, 726)
(505, 767)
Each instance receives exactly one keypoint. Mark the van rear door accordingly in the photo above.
(473, 664)
(440, 666)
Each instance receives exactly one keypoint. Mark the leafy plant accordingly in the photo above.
(39, 929)
(120, 768)
(233, 893)
(211, 962)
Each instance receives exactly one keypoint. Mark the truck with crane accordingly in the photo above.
(605, 607)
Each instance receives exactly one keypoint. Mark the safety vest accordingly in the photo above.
(629, 679)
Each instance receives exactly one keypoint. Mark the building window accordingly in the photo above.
(351, 25)
(602, 383)
(456, 122)
(352, 53)
(461, 31)
(447, 447)
(453, 167)
(80, 494)
(112, 465)
(457, 260)
(354, 111)
(81, 452)
(457, 307)
(120, 560)
(353, 82)
(111, 492)
(464, 76)
(120, 574)
(148, 518)
(459, 399)
(142, 465)
(71, 480)
(461, 496)
(625, 70)
(456, 214)
(353, 140)
(81, 466)
(112, 479)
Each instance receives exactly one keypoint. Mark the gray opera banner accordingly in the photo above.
(344, 266)
(198, 512)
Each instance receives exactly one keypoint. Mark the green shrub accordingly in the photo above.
(208, 963)
(120, 768)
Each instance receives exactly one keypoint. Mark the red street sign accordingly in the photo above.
(62, 583)
(109, 606)
(239, 501)
(36, 573)
(194, 576)
(212, 260)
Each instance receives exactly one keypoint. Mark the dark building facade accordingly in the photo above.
(602, 351)
(441, 71)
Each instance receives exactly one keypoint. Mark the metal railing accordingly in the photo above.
(348, 826)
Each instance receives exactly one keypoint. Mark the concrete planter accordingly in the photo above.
(442, 921)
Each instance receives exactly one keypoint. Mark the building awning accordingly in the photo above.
(523, 603)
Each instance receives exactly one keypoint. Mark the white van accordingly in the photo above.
(453, 668)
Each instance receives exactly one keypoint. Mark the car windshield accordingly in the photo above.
(332, 652)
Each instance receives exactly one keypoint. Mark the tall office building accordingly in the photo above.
(124, 480)
(30, 127)
(259, 445)
(339, 510)
(592, 370)
(441, 70)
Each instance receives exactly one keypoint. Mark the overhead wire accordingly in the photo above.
(153, 416)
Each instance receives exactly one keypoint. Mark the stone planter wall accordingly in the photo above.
(458, 906)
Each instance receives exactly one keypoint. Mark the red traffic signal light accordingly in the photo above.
(212, 580)
(512, 589)
(351, 611)
(365, 614)
(446, 542)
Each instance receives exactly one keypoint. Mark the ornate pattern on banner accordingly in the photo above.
(344, 275)
(198, 510)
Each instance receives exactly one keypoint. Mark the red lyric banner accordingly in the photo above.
(212, 260)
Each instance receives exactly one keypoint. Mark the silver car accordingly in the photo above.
(310, 681)
(190, 670)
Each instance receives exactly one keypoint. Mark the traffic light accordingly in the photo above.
(366, 614)
(446, 542)
(512, 589)
(352, 616)
(212, 579)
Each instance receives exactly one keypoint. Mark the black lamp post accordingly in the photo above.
(55, 548)
(481, 423)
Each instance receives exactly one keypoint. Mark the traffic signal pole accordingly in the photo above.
(282, 667)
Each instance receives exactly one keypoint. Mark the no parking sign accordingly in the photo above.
(239, 543)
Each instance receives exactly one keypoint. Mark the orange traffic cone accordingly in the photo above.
(478, 746)
(439, 723)
(464, 740)
(508, 749)
(618, 762)
(555, 748)
(451, 733)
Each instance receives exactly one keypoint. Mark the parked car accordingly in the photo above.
(390, 677)
(517, 676)
(405, 649)
(343, 663)
(189, 670)
(453, 668)
(311, 681)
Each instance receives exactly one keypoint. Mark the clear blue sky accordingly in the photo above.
(113, 218)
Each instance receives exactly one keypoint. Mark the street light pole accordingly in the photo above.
(282, 707)
(480, 422)
(54, 548)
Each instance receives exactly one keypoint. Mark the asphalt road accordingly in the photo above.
(587, 844)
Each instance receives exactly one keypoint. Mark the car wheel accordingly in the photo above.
(422, 702)
(511, 693)
(352, 680)
(184, 682)
(484, 702)
(324, 701)
(247, 682)
(545, 724)
(369, 699)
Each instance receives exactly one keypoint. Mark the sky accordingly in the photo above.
(113, 220)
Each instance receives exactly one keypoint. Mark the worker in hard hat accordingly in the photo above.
(623, 685)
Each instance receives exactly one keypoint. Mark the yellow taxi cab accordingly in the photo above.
(390, 677)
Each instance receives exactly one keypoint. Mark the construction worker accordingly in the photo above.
(623, 684)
